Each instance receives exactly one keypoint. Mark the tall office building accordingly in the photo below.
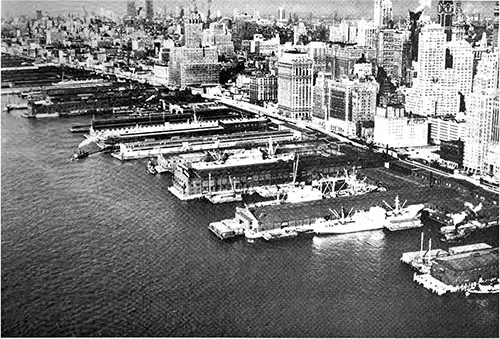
(193, 64)
(445, 12)
(423, 98)
(496, 20)
(340, 60)
(149, 9)
(461, 63)
(193, 27)
(131, 8)
(482, 115)
(281, 14)
(386, 13)
(390, 53)
(377, 13)
(340, 105)
(295, 80)
(382, 13)
(394, 129)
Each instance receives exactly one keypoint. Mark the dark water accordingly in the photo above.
(101, 248)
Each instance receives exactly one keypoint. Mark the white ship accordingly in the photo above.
(245, 157)
(110, 134)
(360, 221)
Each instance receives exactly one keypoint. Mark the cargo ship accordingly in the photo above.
(359, 221)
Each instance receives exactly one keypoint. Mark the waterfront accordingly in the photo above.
(98, 247)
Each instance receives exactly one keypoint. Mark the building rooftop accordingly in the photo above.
(470, 261)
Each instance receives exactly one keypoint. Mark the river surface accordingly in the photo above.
(99, 247)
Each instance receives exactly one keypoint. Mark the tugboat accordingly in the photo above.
(151, 167)
(79, 155)
(11, 107)
(483, 287)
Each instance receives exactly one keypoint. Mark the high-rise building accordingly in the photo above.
(149, 9)
(295, 79)
(496, 20)
(445, 12)
(217, 35)
(340, 105)
(321, 100)
(423, 98)
(394, 129)
(131, 8)
(460, 62)
(340, 60)
(193, 26)
(263, 88)
(481, 106)
(390, 53)
(281, 14)
(492, 166)
(386, 13)
(377, 13)
(193, 66)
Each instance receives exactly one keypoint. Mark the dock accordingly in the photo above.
(409, 257)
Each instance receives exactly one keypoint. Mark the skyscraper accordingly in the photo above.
(281, 14)
(423, 97)
(295, 77)
(377, 11)
(193, 64)
(390, 53)
(386, 13)
(482, 116)
(446, 11)
(149, 9)
(131, 8)
(193, 27)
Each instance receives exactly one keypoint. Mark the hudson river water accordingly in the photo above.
(98, 247)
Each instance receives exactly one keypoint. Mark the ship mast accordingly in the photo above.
(422, 246)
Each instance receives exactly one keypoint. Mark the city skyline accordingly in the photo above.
(351, 9)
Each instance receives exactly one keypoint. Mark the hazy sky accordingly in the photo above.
(351, 8)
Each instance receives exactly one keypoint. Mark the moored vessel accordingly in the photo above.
(359, 221)
(482, 287)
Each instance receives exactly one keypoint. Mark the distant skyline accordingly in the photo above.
(343, 8)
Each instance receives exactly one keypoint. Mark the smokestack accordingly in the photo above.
(423, 4)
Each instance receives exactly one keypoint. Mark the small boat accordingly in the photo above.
(11, 107)
(151, 167)
(484, 288)
(279, 234)
(80, 154)
(221, 198)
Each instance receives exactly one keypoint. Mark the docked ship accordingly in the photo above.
(359, 221)
(245, 157)
(327, 187)
(167, 130)
(400, 217)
